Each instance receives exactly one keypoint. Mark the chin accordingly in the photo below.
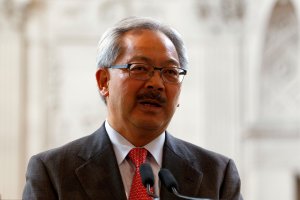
(150, 124)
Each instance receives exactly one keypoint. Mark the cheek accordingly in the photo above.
(173, 96)
(124, 90)
(127, 94)
(117, 83)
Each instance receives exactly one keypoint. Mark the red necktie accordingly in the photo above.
(137, 190)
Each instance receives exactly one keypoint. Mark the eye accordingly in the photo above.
(139, 68)
(170, 72)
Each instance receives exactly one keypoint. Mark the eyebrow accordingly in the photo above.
(149, 60)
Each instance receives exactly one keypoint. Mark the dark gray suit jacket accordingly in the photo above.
(87, 169)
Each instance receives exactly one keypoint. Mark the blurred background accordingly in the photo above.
(241, 96)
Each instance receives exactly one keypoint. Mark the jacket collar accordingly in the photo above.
(176, 158)
(99, 175)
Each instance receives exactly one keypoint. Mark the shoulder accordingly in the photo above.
(82, 148)
(195, 154)
(219, 172)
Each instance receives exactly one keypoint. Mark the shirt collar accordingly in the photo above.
(122, 146)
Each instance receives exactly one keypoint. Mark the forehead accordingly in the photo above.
(148, 43)
(146, 37)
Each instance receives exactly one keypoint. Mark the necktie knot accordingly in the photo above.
(138, 156)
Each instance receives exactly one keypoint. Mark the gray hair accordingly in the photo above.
(109, 46)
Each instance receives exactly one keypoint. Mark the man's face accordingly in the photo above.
(146, 105)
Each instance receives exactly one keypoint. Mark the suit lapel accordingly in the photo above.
(188, 178)
(99, 175)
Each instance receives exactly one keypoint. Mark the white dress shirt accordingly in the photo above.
(122, 147)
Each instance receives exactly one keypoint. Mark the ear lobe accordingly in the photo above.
(102, 77)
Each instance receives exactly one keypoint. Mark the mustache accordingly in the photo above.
(152, 95)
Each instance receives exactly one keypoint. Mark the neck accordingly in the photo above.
(137, 136)
(140, 138)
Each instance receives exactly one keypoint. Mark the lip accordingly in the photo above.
(151, 103)
(150, 106)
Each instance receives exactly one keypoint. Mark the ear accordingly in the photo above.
(102, 77)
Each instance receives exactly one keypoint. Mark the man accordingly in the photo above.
(141, 65)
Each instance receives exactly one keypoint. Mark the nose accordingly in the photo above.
(155, 81)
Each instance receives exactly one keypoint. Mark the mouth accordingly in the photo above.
(151, 103)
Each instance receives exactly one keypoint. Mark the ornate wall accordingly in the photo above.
(240, 97)
(271, 104)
